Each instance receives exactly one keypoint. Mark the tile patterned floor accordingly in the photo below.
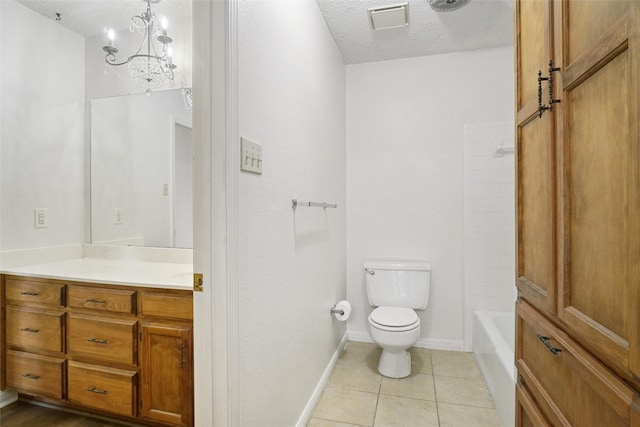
(445, 389)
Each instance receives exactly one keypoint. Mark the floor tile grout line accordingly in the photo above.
(435, 390)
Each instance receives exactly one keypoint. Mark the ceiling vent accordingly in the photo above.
(389, 16)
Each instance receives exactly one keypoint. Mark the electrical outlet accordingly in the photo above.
(117, 216)
(40, 219)
(251, 156)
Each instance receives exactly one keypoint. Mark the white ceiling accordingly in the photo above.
(93, 17)
(480, 24)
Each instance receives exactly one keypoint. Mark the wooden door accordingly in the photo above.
(535, 159)
(166, 369)
(599, 298)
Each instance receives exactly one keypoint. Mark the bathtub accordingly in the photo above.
(493, 344)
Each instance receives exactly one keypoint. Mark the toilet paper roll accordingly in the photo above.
(345, 306)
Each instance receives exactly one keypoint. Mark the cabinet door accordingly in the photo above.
(599, 298)
(166, 368)
(535, 159)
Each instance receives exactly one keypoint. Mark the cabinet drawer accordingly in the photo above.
(34, 293)
(109, 340)
(118, 301)
(35, 374)
(568, 384)
(175, 306)
(527, 412)
(35, 329)
(108, 389)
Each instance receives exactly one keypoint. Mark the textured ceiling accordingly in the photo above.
(481, 24)
(92, 17)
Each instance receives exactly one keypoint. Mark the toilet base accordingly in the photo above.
(395, 364)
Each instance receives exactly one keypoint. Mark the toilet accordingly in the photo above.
(396, 288)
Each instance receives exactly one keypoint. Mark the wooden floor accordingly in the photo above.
(23, 414)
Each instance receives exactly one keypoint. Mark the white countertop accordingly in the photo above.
(112, 271)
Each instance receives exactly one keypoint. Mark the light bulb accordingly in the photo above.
(111, 35)
(164, 23)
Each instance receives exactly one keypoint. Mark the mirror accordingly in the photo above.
(141, 168)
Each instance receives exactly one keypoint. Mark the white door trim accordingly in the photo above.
(216, 158)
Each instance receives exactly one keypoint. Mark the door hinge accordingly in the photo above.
(198, 282)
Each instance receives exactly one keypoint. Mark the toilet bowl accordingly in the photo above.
(395, 330)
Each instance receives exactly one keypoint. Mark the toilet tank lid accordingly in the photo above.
(382, 264)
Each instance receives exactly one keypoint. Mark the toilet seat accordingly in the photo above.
(394, 319)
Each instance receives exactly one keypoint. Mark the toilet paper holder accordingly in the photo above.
(335, 310)
(341, 310)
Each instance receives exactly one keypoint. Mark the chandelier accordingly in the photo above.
(151, 66)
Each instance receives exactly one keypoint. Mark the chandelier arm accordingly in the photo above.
(111, 58)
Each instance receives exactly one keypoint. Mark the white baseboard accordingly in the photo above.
(7, 397)
(317, 393)
(359, 336)
(432, 343)
(440, 344)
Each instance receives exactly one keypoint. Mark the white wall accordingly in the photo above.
(292, 264)
(405, 172)
(489, 221)
(42, 140)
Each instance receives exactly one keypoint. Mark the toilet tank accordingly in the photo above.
(398, 283)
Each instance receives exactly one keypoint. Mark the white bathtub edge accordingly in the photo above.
(490, 346)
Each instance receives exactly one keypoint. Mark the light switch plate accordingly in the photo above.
(40, 219)
(250, 156)
(117, 216)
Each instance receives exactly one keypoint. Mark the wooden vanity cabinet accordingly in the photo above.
(119, 350)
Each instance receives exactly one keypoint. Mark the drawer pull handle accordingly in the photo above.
(552, 349)
(97, 301)
(97, 391)
(31, 376)
(97, 341)
(30, 294)
(33, 331)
